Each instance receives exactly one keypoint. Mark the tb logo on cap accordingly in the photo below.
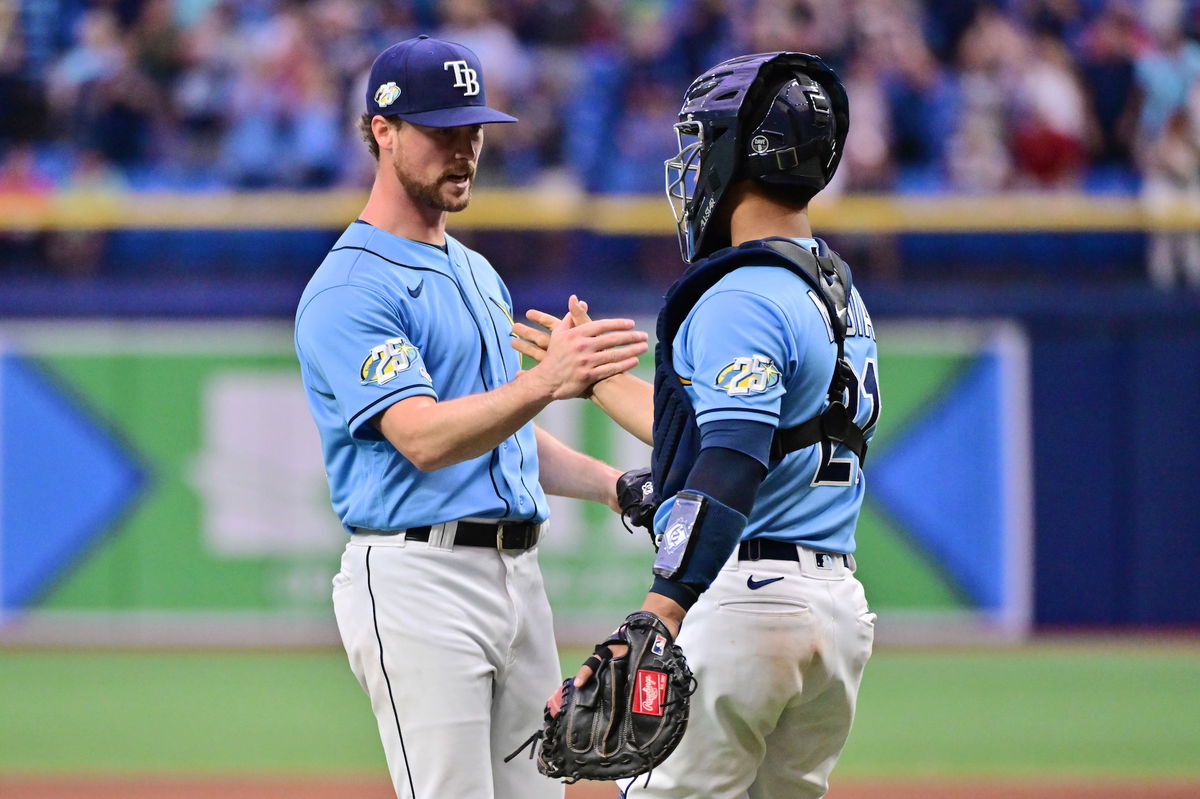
(465, 78)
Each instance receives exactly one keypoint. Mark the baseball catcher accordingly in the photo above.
(765, 398)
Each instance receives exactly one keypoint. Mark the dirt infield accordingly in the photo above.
(324, 788)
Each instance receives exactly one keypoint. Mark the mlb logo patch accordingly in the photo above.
(660, 644)
(651, 689)
(824, 561)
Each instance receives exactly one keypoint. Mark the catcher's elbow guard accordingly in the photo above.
(698, 536)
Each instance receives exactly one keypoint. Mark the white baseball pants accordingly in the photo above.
(455, 648)
(778, 668)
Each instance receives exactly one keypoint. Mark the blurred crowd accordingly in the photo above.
(969, 96)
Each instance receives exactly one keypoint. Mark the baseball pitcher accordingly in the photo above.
(434, 466)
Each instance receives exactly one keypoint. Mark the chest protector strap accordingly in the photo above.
(676, 434)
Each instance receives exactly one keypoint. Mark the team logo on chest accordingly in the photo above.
(387, 361)
(750, 374)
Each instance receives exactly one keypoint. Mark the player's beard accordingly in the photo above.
(430, 194)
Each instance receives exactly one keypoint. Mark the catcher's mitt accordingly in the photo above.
(635, 495)
(628, 717)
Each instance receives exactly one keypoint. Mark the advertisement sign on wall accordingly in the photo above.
(162, 482)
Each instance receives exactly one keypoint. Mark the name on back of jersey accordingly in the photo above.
(858, 321)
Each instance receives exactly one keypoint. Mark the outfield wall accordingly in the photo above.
(162, 483)
(1111, 381)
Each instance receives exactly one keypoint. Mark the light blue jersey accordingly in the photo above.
(383, 319)
(758, 347)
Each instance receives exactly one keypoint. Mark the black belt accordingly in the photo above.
(498, 534)
(770, 549)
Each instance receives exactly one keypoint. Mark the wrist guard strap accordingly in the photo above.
(697, 538)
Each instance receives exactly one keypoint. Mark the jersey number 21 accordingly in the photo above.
(833, 471)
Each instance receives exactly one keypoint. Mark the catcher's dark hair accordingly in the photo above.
(364, 130)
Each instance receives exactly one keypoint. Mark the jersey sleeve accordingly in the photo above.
(736, 345)
(355, 341)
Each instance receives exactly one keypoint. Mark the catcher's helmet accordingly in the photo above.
(779, 118)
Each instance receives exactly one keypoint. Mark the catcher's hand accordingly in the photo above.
(628, 716)
(635, 493)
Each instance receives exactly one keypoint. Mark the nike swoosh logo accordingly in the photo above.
(414, 293)
(754, 585)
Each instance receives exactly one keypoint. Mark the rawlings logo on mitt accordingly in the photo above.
(628, 717)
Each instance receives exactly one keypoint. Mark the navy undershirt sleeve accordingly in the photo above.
(740, 435)
(732, 462)
(729, 477)
(730, 468)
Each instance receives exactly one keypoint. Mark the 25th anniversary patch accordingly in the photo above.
(387, 361)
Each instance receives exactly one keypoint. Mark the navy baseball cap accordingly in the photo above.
(430, 82)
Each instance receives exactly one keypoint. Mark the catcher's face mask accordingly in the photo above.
(683, 173)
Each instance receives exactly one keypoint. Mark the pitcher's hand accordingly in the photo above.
(535, 342)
